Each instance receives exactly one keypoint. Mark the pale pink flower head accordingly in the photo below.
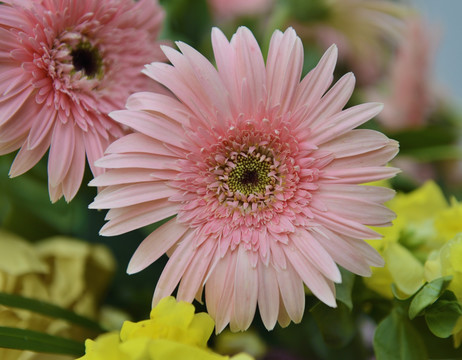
(64, 65)
(410, 100)
(262, 171)
(226, 9)
(364, 30)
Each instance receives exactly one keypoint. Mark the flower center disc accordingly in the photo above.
(250, 175)
(85, 57)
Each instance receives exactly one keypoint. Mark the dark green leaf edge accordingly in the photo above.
(44, 308)
(427, 295)
(23, 339)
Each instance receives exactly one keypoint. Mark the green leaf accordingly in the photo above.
(438, 348)
(344, 289)
(426, 138)
(428, 295)
(442, 316)
(187, 20)
(48, 309)
(22, 339)
(25, 200)
(337, 325)
(435, 153)
(396, 338)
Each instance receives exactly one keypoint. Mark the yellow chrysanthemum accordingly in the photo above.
(447, 261)
(66, 272)
(448, 222)
(172, 332)
(423, 224)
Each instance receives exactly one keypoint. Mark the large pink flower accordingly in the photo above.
(262, 171)
(64, 65)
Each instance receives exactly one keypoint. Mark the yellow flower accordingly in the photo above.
(172, 332)
(448, 222)
(423, 224)
(66, 272)
(229, 342)
(447, 261)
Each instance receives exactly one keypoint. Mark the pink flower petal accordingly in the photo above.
(219, 290)
(345, 121)
(292, 292)
(245, 290)
(138, 216)
(250, 67)
(155, 245)
(316, 82)
(61, 152)
(73, 179)
(122, 196)
(316, 255)
(283, 68)
(268, 295)
(316, 282)
(194, 275)
(174, 270)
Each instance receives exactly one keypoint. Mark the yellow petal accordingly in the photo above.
(407, 272)
(18, 257)
(167, 349)
(380, 281)
(448, 222)
(421, 203)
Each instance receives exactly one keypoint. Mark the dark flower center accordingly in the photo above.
(250, 178)
(87, 58)
(250, 175)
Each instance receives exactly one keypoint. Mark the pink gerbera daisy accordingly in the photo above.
(262, 171)
(64, 65)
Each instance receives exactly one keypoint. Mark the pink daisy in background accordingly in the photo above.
(64, 65)
(411, 100)
(364, 30)
(263, 172)
(225, 9)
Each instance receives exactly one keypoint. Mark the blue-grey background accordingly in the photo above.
(444, 16)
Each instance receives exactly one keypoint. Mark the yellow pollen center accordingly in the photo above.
(249, 176)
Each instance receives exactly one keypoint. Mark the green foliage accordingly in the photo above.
(337, 325)
(416, 327)
(430, 143)
(427, 295)
(22, 339)
(188, 21)
(396, 338)
(25, 200)
(309, 11)
(441, 317)
(345, 288)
